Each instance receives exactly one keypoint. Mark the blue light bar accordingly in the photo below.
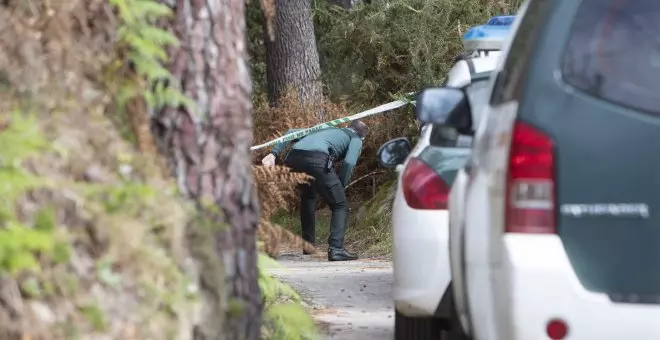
(485, 32)
(501, 20)
(490, 36)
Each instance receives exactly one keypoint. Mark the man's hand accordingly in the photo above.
(269, 160)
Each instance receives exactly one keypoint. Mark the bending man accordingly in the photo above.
(314, 155)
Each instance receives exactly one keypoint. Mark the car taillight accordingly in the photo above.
(422, 187)
(530, 206)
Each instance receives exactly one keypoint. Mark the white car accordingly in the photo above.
(553, 220)
(419, 219)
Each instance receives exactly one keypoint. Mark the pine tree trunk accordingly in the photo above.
(208, 151)
(292, 59)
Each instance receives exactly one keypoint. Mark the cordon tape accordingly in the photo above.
(298, 134)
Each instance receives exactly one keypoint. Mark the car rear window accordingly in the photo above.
(613, 52)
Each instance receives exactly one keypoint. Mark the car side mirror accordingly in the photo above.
(394, 152)
(445, 106)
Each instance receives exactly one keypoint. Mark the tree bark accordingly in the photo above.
(208, 152)
(292, 59)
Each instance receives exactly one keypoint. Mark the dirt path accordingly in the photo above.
(352, 300)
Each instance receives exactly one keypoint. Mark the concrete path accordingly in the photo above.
(351, 300)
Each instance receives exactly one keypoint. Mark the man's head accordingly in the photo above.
(360, 128)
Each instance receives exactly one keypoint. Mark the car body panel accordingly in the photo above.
(543, 273)
(616, 249)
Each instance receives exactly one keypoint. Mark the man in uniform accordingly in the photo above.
(314, 155)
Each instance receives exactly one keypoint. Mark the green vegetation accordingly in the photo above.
(395, 46)
(284, 316)
(146, 46)
(21, 242)
(116, 225)
(139, 75)
(371, 228)
(370, 225)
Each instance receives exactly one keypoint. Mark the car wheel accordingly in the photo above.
(418, 328)
(456, 331)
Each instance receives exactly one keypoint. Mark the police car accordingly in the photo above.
(420, 219)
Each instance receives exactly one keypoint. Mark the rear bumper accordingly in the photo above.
(420, 259)
(536, 283)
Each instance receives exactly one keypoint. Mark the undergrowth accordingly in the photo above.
(394, 46)
(370, 230)
(284, 318)
(22, 241)
(67, 205)
(277, 188)
(370, 225)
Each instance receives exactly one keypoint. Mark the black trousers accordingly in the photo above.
(326, 183)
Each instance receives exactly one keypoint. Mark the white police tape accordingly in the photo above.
(295, 135)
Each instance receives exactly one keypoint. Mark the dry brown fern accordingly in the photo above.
(270, 123)
(140, 124)
(277, 188)
(273, 236)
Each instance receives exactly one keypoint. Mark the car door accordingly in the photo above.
(594, 88)
(479, 95)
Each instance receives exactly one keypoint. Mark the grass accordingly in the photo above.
(369, 231)
(291, 221)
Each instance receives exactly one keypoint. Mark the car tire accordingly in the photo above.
(419, 328)
(456, 331)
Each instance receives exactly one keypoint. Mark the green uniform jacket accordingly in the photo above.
(342, 143)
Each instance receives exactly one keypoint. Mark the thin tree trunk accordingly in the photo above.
(208, 151)
(292, 59)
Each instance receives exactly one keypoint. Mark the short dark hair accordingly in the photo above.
(360, 128)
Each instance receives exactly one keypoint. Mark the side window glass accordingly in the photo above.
(613, 52)
(509, 82)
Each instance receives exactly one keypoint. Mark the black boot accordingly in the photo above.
(340, 254)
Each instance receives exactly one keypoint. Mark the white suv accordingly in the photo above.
(421, 290)
(554, 228)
